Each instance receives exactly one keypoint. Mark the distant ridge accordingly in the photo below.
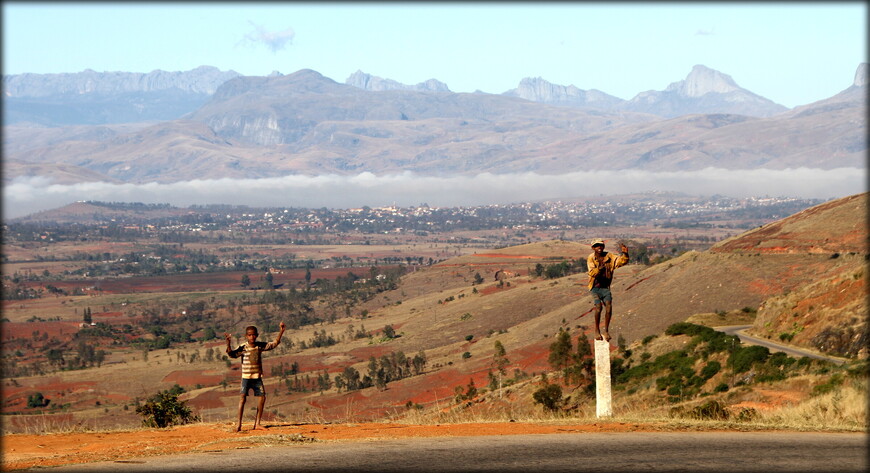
(100, 98)
(537, 89)
(361, 80)
(202, 80)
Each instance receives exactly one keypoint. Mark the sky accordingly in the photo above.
(791, 53)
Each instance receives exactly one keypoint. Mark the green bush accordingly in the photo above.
(710, 370)
(164, 409)
(742, 359)
(37, 400)
(686, 328)
(832, 383)
(639, 372)
(721, 388)
(780, 359)
(549, 396)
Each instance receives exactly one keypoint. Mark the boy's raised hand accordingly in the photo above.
(228, 337)
(281, 326)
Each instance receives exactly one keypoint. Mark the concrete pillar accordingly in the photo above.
(603, 406)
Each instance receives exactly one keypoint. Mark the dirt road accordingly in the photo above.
(575, 451)
(740, 332)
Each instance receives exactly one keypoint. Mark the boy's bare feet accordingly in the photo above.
(606, 336)
(238, 428)
(598, 336)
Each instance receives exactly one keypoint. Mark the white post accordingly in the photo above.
(602, 379)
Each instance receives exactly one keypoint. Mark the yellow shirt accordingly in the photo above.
(602, 271)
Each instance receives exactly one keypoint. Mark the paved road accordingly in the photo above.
(599, 452)
(739, 330)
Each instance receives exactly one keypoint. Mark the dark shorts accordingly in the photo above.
(253, 383)
(600, 294)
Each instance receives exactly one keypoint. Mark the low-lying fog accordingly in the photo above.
(24, 196)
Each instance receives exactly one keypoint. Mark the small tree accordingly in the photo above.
(560, 351)
(549, 396)
(389, 331)
(246, 280)
(37, 400)
(500, 361)
(164, 409)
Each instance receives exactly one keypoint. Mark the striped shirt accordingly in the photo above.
(252, 362)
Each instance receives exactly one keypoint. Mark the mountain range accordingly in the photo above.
(170, 127)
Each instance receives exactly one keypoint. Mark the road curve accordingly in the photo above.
(740, 331)
(767, 452)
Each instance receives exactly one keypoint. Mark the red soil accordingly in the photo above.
(23, 451)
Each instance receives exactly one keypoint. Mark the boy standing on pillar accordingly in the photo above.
(601, 265)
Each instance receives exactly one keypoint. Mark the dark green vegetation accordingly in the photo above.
(685, 373)
(164, 409)
(710, 363)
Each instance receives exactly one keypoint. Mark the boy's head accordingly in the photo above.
(251, 333)
(598, 246)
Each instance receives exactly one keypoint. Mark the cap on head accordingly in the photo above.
(597, 243)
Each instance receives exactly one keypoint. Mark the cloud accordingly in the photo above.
(709, 32)
(24, 196)
(275, 41)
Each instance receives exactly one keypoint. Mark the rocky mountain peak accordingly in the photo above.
(861, 75)
(361, 80)
(703, 80)
(202, 80)
(537, 89)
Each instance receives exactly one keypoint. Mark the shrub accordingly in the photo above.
(639, 371)
(685, 328)
(780, 359)
(747, 414)
(713, 410)
(466, 355)
(721, 388)
(549, 396)
(710, 370)
(743, 358)
(37, 400)
(164, 409)
(835, 381)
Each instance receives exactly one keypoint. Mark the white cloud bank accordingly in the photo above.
(24, 196)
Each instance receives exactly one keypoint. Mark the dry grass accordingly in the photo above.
(841, 409)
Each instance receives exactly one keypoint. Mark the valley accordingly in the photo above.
(399, 327)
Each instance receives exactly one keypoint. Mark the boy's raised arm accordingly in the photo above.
(280, 333)
(229, 340)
